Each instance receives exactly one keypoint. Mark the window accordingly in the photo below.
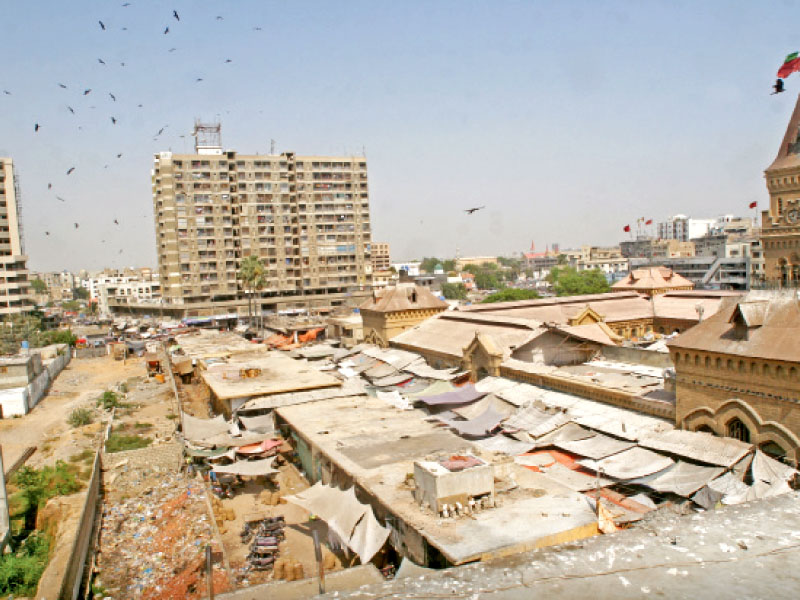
(738, 430)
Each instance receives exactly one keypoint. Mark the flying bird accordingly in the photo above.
(76, 225)
(61, 85)
(219, 18)
(199, 79)
(102, 25)
(47, 233)
(49, 186)
(35, 127)
(175, 14)
(228, 60)
(166, 31)
(256, 28)
(70, 109)
(60, 198)
(122, 64)
(778, 87)
(160, 131)
(113, 97)
(113, 120)
(116, 222)
(70, 170)
(119, 155)
(172, 50)
(87, 91)
(126, 4)
(469, 211)
(6, 92)
(101, 61)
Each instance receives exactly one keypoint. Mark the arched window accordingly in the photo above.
(696, 360)
(719, 363)
(738, 430)
(708, 362)
(774, 450)
(729, 365)
(741, 366)
(765, 369)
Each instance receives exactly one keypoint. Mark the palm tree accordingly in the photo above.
(251, 274)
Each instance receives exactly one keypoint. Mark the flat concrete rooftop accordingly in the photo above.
(377, 444)
(278, 374)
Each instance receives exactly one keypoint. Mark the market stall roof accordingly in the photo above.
(629, 464)
(462, 395)
(198, 430)
(597, 447)
(682, 478)
(699, 446)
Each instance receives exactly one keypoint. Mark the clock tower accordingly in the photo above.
(780, 224)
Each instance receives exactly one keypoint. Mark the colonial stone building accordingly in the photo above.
(780, 223)
(392, 310)
(738, 373)
(653, 281)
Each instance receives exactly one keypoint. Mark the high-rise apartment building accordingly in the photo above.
(14, 286)
(305, 217)
(381, 260)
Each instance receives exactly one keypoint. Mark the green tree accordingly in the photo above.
(454, 291)
(39, 286)
(474, 269)
(80, 293)
(511, 295)
(486, 280)
(569, 282)
(562, 259)
(449, 265)
(251, 274)
(429, 263)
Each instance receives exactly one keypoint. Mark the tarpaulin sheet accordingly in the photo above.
(250, 468)
(480, 426)
(540, 459)
(380, 370)
(699, 446)
(198, 430)
(574, 480)
(259, 424)
(536, 422)
(397, 358)
(264, 446)
(436, 388)
(421, 369)
(493, 385)
(769, 470)
(683, 478)
(463, 395)
(707, 498)
(597, 447)
(398, 379)
(629, 464)
(205, 453)
(225, 439)
(569, 432)
(470, 411)
(353, 522)
(506, 445)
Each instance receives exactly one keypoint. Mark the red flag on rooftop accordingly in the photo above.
(649, 222)
(790, 64)
(753, 204)
(626, 229)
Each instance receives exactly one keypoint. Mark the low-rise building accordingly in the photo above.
(392, 310)
(653, 281)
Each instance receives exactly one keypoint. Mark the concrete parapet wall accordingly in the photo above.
(638, 356)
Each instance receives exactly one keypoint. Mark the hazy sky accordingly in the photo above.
(567, 120)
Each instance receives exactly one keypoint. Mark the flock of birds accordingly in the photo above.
(39, 125)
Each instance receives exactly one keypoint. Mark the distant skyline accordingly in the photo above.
(567, 120)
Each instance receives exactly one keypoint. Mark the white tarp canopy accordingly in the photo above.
(574, 480)
(700, 446)
(569, 432)
(683, 478)
(353, 522)
(598, 446)
(198, 430)
(536, 422)
(629, 464)
(422, 369)
(769, 470)
(395, 399)
(250, 468)
(392, 356)
(506, 445)
(259, 424)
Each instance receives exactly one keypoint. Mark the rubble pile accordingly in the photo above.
(152, 545)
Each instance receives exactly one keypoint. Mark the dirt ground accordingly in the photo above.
(46, 427)
(298, 544)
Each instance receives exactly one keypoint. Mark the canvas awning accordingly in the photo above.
(629, 464)
(462, 395)
(259, 424)
(480, 426)
(597, 447)
(682, 478)
(470, 411)
(536, 422)
(699, 446)
(198, 430)
(504, 444)
(574, 480)
(353, 522)
(248, 468)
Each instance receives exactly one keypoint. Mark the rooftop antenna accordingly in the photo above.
(207, 137)
(272, 147)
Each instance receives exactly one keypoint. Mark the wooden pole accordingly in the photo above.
(209, 573)
(318, 556)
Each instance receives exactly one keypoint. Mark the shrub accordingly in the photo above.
(80, 417)
(110, 400)
(118, 442)
(20, 572)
